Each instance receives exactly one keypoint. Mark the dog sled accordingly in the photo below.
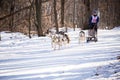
(92, 35)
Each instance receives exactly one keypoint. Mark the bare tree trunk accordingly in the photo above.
(30, 11)
(62, 14)
(88, 13)
(55, 14)
(38, 4)
(30, 21)
(12, 17)
(74, 16)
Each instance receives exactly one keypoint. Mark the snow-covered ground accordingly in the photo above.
(22, 58)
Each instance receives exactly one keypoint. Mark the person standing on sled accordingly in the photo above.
(93, 22)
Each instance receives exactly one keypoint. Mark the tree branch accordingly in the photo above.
(6, 16)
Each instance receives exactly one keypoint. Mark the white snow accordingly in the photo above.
(22, 58)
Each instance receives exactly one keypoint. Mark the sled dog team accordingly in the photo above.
(62, 39)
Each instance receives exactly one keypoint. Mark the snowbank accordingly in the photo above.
(22, 58)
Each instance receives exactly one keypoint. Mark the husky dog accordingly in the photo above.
(81, 36)
(56, 41)
(65, 37)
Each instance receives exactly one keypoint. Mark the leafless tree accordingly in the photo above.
(38, 4)
(55, 17)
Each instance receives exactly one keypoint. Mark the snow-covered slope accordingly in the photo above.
(22, 58)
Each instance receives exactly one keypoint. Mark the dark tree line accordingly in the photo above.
(39, 15)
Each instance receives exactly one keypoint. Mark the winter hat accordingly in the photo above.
(94, 12)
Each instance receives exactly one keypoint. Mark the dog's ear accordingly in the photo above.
(82, 32)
